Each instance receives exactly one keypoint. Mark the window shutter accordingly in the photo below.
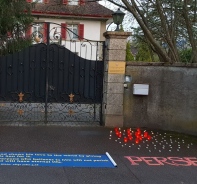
(81, 2)
(46, 1)
(63, 31)
(28, 1)
(45, 33)
(65, 1)
(81, 31)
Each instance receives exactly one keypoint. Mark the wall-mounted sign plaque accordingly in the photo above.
(116, 67)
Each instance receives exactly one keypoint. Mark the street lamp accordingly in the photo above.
(118, 18)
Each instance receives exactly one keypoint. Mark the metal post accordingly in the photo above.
(47, 70)
(103, 60)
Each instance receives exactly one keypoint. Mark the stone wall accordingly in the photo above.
(172, 100)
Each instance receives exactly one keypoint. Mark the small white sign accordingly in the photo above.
(140, 89)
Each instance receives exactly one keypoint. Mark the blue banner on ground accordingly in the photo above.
(54, 160)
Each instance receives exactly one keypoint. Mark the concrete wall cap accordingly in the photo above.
(134, 63)
(117, 34)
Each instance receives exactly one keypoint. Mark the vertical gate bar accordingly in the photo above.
(101, 105)
(95, 79)
(47, 72)
(94, 111)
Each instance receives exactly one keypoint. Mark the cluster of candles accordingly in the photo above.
(147, 139)
(127, 135)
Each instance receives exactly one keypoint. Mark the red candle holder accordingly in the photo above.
(128, 133)
(137, 134)
(120, 135)
(125, 139)
(116, 129)
(130, 137)
(137, 141)
(138, 130)
(145, 134)
(149, 137)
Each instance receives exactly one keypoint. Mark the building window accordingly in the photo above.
(38, 1)
(72, 33)
(73, 2)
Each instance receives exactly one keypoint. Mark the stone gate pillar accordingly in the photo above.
(113, 86)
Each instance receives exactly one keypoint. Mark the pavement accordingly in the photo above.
(166, 158)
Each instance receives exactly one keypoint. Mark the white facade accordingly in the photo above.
(92, 29)
(86, 47)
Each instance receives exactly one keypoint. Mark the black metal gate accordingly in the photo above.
(47, 82)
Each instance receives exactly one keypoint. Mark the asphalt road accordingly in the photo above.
(167, 158)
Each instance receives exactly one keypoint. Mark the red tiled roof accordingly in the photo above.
(56, 8)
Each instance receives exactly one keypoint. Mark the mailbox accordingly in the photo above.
(140, 89)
